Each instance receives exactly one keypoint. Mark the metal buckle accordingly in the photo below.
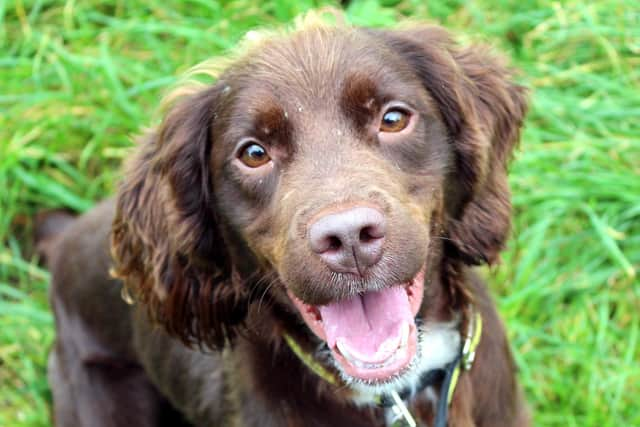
(398, 415)
(125, 294)
(471, 341)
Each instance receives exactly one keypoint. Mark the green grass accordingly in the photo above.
(79, 78)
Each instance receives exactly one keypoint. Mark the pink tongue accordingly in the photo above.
(368, 325)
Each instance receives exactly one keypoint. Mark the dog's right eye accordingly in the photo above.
(254, 155)
(394, 120)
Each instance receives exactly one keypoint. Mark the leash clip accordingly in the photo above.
(398, 415)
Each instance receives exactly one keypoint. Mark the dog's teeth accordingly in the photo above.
(345, 352)
(404, 341)
(404, 335)
(389, 346)
(355, 361)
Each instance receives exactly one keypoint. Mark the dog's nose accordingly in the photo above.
(349, 241)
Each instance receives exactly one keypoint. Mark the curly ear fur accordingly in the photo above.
(166, 243)
(483, 110)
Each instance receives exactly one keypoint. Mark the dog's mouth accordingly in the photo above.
(372, 336)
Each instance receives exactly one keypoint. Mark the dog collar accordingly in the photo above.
(309, 361)
(396, 412)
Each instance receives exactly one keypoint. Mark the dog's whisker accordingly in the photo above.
(264, 293)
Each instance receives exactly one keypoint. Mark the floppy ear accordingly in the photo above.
(483, 110)
(166, 241)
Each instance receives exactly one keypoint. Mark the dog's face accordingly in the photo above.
(337, 161)
(335, 164)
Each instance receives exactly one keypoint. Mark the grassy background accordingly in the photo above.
(77, 79)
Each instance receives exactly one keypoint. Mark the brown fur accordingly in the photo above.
(208, 249)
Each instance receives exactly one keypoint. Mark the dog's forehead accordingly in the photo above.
(313, 77)
(311, 69)
(311, 63)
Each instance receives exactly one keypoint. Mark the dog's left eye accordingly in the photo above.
(394, 120)
(254, 155)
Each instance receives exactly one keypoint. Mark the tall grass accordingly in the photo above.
(77, 79)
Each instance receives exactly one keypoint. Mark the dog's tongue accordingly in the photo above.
(368, 326)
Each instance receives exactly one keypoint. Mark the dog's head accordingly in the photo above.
(338, 168)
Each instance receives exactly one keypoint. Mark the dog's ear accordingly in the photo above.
(166, 239)
(483, 110)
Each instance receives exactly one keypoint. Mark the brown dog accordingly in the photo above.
(313, 216)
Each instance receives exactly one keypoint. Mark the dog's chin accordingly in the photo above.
(373, 337)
